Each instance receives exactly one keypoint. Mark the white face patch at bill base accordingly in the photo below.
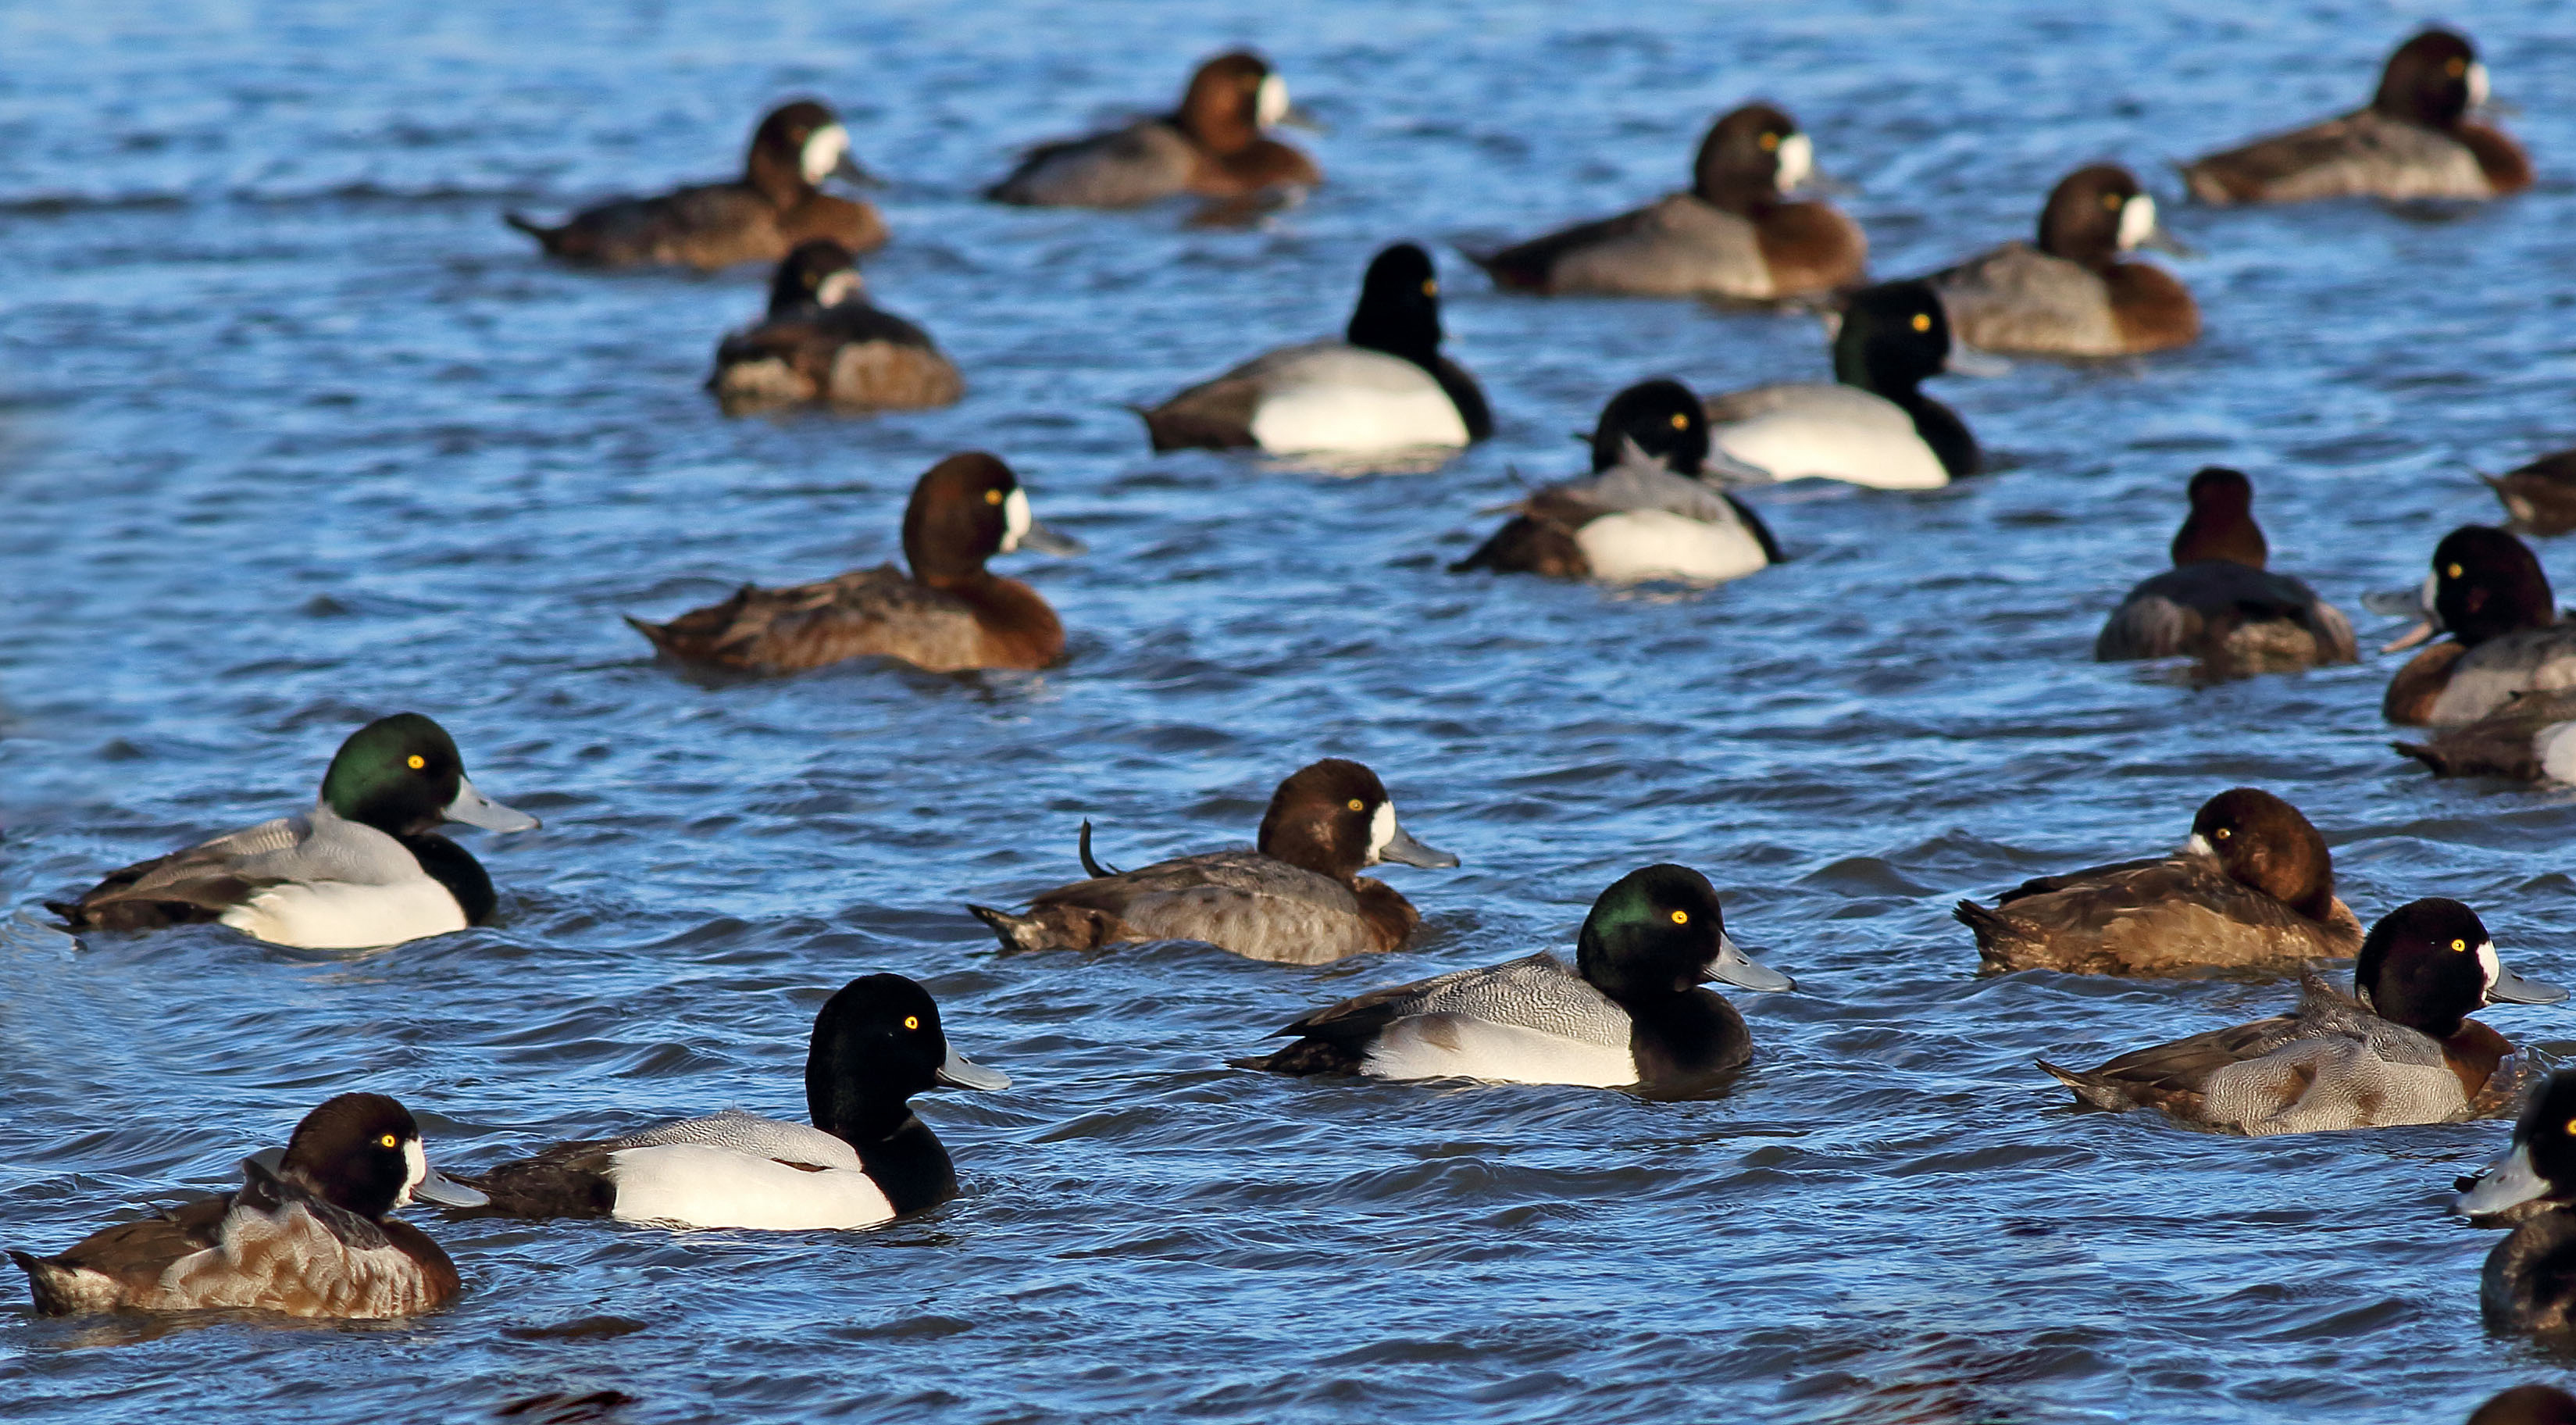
(1797, 161)
(2477, 85)
(2199, 845)
(838, 288)
(415, 1170)
(1381, 831)
(1270, 105)
(2137, 221)
(1015, 519)
(2488, 962)
(824, 149)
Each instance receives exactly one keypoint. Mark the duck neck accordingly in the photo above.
(909, 1165)
(454, 867)
(777, 178)
(1681, 1040)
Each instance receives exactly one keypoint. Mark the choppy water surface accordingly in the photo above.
(297, 433)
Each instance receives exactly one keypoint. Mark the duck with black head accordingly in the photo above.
(949, 614)
(1873, 426)
(2253, 888)
(2400, 1049)
(823, 341)
(2076, 292)
(1736, 234)
(1631, 1012)
(1643, 514)
(1297, 898)
(2488, 593)
(1216, 145)
(2415, 140)
(867, 1160)
(2218, 604)
(2527, 1405)
(776, 204)
(2540, 496)
(1385, 387)
(2529, 1284)
(365, 867)
(312, 1236)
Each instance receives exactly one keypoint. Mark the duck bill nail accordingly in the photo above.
(472, 808)
(1402, 849)
(959, 1072)
(1047, 541)
(1966, 360)
(2509, 1181)
(2510, 988)
(439, 1188)
(1736, 968)
(2420, 633)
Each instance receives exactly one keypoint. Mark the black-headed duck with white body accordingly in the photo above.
(2219, 604)
(759, 217)
(2529, 1284)
(1872, 425)
(2488, 593)
(1630, 1012)
(948, 615)
(1297, 898)
(1215, 146)
(1735, 234)
(1643, 514)
(2415, 140)
(2075, 292)
(2252, 889)
(823, 341)
(2400, 1049)
(310, 1236)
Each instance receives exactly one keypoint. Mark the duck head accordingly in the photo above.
(1658, 931)
(403, 775)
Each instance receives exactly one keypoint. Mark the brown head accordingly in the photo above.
(794, 149)
(2528, 1405)
(1231, 99)
(1750, 157)
(2262, 841)
(1334, 817)
(362, 1151)
(966, 509)
(2221, 523)
(2433, 79)
(2095, 214)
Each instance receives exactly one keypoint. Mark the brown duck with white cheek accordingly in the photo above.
(1298, 899)
(2218, 604)
(2540, 496)
(1734, 234)
(949, 615)
(309, 1237)
(823, 341)
(2487, 591)
(2415, 140)
(758, 217)
(2253, 888)
(1214, 147)
(2075, 293)
(2400, 1049)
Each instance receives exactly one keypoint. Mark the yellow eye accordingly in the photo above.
(1770, 142)
(1681, 917)
(1680, 421)
(417, 761)
(912, 1021)
(388, 1141)
(992, 497)
(2222, 833)
(2459, 945)
(2111, 202)
(1430, 287)
(2455, 67)
(1923, 321)
(1358, 805)
(2453, 571)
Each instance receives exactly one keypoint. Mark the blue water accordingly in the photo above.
(293, 432)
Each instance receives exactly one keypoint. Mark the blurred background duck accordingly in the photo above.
(2074, 293)
(2218, 604)
(1873, 425)
(822, 341)
(1216, 146)
(2415, 139)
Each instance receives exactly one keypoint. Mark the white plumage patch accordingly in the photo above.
(415, 1170)
(2556, 749)
(705, 1185)
(2137, 220)
(1658, 544)
(1335, 397)
(1442, 1046)
(824, 149)
(838, 288)
(1271, 104)
(1381, 831)
(337, 915)
(1834, 433)
(1016, 519)
(1797, 160)
(2492, 967)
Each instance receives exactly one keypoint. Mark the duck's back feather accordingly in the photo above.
(872, 611)
(1122, 168)
(1254, 905)
(2233, 616)
(2362, 154)
(2151, 918)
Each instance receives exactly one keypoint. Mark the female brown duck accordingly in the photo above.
(2075, 293)
(1214, 147)
(948, 615)
(2415, 140)
(2218, 603)
(2488, 592)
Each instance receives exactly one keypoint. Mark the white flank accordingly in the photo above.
(703, 1185)
(339, 915)
(1502, 1053)
(1835, 433)
(2556, 751)
(1658, 544)
(1334, 397)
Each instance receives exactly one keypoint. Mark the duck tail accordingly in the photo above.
(1082, 846)
(1996, 933)
(659, 635)
(1017, 932)
(548, 238)
(2426, 753)
(2089, 1088)
(53, 1285)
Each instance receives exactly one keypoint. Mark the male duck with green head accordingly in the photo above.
(364, 868)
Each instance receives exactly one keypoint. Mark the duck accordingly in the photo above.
(2488, 592)
(2529, 1284)
(1628, 1013)
(1734, 234)
(311, 1235)
(1384, 387)
(1642, 515)
(867, 1160)
(2527, 1405)
(2073, 293)
(2252, 889)
(2541, 496)
(363, 869)
(1215, 146)
(823, 341)
(758, 217)
(1874, 426)
(2400, 1049)
(948, 615)
(2218, 604)
(2528, 739)
(2415, 140)
(1297, 898)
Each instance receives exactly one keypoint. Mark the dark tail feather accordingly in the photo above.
(1083, 846)
(546, 237)
(2088, 1088)
(1013, 929)
(660, 636)
(1992, 930)
(74, 917)
(2427, 754)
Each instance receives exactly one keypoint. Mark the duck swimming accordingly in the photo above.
(2253, 888)
(2529, 1284)
(2218, 604)
(1629, 1013)
(948, 615)
(2527, 1405)
(867, 1159)
(1298, 898)
(2540, 496)
(1214, 146)
(758, 217)
(363, 868)
(1735, 234)
(1642, 515)
(310, 1237)
(1385, 387)
(823, 341)
(1875, 426)
(2415, 140)
(2531, 738)
(2488, 592)
(2073, 293)
(2401, 1049)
